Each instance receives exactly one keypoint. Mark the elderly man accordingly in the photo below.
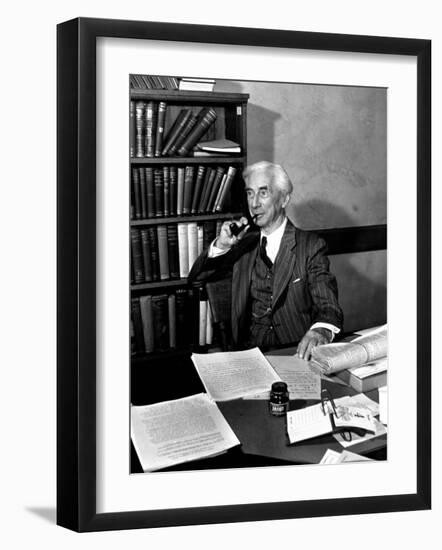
(282, 289)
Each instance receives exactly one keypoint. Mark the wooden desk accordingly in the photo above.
(263, 437)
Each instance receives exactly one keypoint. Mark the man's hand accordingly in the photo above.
(226, 240)
(312, 338)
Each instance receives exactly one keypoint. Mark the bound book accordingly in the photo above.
(183, 133)
(215, 188)
(188, 189)
(139, 129)
(335, 357)
(159, 192)
(192, 235)
(161, 121)
(147, 256)
(224, 191)
(136, 193)
(172, 190)
(150, 192)
(205, 192)
(199, 431)
(147, 322)
(197, 189)
(368, 377)
(154, 256)
(143, 192)
(325, 418)
(160, 310)
(206, 118)
(175, 129)
(183, 249)
(172, 242)
(219, 146)
(180, 190)
(132, 130)
(163, 252)
(137, 256)
(150, 129)
(166, 189)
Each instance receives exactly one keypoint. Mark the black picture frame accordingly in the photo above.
(76, 273)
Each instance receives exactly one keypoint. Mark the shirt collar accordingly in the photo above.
(274, 239)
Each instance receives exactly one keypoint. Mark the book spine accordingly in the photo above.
(139, 126)
(138, 325)
(172, 241)
(137, 194)
(209, 327)
(160, 128)
(147, 259)
(160, 321)
(132, 130)
(159, 192)
(215, 187)
(174, 131)
(198, 188)
(206, 118)
(180, 191)
(200, 230)
(172, 190)
(143, 192)
(202, 322)
(172, 320)
(166, 187)
(183, 249)
(149, 147)
(163, 252)
(231, 172)
(184, 132)
(146, 82)
(208, 182)
(137, 256)
(155, 262)
(192, 235)
(188, 189)
(220, 191)
(150, 192)
(147, 322)
(181, 321)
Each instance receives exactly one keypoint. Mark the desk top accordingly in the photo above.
(263, 436)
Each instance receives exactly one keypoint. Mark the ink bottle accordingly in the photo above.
(279, 399)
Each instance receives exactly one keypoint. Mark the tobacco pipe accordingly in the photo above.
(236, 229)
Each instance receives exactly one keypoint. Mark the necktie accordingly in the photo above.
(263, 253)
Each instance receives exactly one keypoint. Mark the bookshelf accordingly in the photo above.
(178, 203)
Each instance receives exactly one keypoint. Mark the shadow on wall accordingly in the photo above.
(362, 277)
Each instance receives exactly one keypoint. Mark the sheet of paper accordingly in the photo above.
(355, 438)
(301, 381)
(330, 457)
(359, 400)
(383, 397)
(354, 417)
(333, 457)
(307, 423)
(234, 374)
(178, 431)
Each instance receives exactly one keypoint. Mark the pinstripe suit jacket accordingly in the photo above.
(304, 290)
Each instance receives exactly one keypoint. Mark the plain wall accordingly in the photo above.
(332, 142)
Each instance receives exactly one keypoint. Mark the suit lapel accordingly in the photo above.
(285, 261)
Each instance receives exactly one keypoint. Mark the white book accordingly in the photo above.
(209, 327)
(183, 250)
(203, 322)
(192, 235)
(200, 239)
(180, 191)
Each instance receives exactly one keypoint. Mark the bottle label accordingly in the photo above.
(278, 409)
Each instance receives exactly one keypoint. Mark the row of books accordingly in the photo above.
(180, 190)
(148, 122)
(154, 321)
(160, 82)
(168, 251)
(153, 82)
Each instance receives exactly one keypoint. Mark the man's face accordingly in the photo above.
(265, 200)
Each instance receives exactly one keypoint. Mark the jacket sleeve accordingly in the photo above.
(322, 285)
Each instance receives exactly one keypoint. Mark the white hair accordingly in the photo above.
(274, 172)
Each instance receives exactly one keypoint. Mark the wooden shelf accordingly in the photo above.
(182, 96)
(169, 283)
(185, 219)
(188, 160)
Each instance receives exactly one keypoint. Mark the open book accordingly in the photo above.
(172, 432)
(331, 358)
(317, 420)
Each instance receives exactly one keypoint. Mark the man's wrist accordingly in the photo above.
(220, 245)
(325, 332)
